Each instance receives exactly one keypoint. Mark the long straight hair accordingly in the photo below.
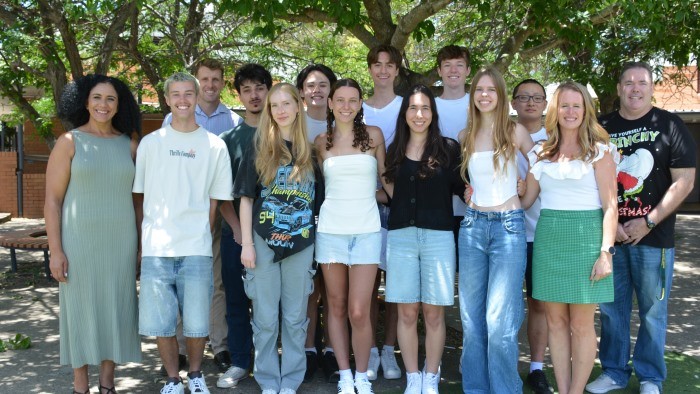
(589, 133)
(270, 148)
(503, 126)
(360, 136)
(435, 152)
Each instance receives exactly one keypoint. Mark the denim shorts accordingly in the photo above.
(172, 285)
(421, 266)
(348, 249)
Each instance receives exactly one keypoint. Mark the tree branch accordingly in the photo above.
(408, 23)
(122, 14)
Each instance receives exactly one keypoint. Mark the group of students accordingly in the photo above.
(376, 183)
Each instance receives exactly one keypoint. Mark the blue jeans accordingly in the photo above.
(175, 284)
(240, 333)
(492, 254)
(637, 268)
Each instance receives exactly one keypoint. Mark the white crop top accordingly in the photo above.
(569, 185)
(491, 187)
(350, 206)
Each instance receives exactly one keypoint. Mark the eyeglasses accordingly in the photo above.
(524, 99)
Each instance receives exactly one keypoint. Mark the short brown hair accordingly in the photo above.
(213, 64)
(394, 55)
(631, 65)
(452, 52)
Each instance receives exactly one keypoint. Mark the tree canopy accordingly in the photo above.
(46, 43)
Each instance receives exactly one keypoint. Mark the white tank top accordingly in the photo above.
(350, 206)
(491, 187)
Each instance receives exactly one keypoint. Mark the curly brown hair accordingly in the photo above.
(360, 135)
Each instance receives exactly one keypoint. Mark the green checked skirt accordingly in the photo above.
(567, 244)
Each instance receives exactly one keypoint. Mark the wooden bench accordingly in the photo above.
(27, 240)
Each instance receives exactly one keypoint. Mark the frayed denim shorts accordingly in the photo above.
(348, 249)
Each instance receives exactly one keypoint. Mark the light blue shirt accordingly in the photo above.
(221, 119)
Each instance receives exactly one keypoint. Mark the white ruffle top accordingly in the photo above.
(569, 185)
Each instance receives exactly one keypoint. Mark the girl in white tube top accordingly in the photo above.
(492, 243)
(348, 240)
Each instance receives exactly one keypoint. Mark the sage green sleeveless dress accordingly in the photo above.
(98, 304)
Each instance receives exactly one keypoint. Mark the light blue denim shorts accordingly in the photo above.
(348, 249)
(172, 285)
(421, 265)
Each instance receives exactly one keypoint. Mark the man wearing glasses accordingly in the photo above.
(529, 101)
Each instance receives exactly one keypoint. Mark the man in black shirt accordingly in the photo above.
(656, 173)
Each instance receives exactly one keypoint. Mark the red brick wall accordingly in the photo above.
(33, 189)
(34, 178)
(8, 183)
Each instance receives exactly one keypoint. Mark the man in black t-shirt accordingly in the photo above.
(655, 174)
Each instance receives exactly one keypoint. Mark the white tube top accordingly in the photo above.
(491, 187)
(350, 206)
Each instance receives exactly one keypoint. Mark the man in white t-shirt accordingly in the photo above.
(215, 117)
(382, 110)
(181, 172)
(530, 101)
(453, 104)
(314, 83)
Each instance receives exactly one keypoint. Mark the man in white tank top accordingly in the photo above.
(453, 104)
(381, 110)
(529, 101)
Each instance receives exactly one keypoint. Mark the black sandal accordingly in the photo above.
(109, 390)
(78, 392)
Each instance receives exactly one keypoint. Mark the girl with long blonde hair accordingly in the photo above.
(277, 186)
(492, 243)
(574, 173)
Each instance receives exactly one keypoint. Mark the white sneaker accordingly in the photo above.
(197, 385)
(390, 368)
(373, 365)
(439, 371)
(346, 386)
(430, 383)
(363, 386)
(172, 388)
(269, 391)
(648, 388)
(231, 377)
(287, 390)
(414, 383)
(603, 384)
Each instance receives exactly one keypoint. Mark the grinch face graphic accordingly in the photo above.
(632, 171)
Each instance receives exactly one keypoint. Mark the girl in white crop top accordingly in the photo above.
(574, 172)
(492, 243)
(348, 241)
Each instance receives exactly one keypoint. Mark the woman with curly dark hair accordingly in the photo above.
(422, 175)
(91, 226)
(348, 241)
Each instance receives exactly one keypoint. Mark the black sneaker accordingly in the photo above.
(311, 366)
(223, 360)
(330, 367)
(537, 381)
(181, 364)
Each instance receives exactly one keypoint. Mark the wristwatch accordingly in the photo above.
(650, 224)
(609, 249)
